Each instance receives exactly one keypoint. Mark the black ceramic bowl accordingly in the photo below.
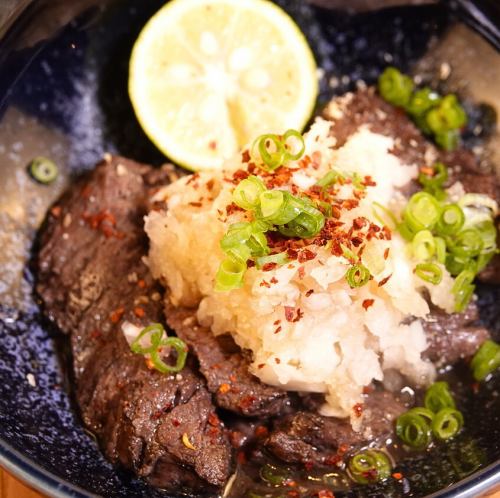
(63, 74)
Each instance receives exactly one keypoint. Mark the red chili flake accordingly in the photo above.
(213, 419)
(336, 212)
(117, 314)
(290, 483)
(240, 174)
(250, 263)
(233, 378)
(261, 431)
(150, 364)
(292, 254)
(277, 322)
(269, 266)
(350, 204)
(475, 387)
(95, 334)
(306, 255)
(141, 283)
(325, 493)
(309, 292)
(210, 184)
(359, 223)
(367, 303)
(368, 181)
(212, 145)
(241, 457)
(224, 388)
(356, 241)
(277, 361)
(427, 170)
(274, 280)
(56, 211)
(301, 272)
(175, 422)
(397, 475)
(293, 493)
(308, 465)
(245, 156)
(232, 208)
(384, 280)
(261, 365)
(289, 313)
(193, 178)
(386, 253)
(358, 409)
(333, 460)
(343, 449)
(278, 330)
(139, 312)
(299, 316)
(213, 432)
(247, 402)
(387, 232)
(265, 284)
(195, 204)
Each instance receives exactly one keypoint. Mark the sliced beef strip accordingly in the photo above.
(309, 438)
(226, 368)
(91, 278)
(453, 337)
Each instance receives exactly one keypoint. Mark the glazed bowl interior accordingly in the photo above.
(63, 94)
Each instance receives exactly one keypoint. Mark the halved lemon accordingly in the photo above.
(208, 76)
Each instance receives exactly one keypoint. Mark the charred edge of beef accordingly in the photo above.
(226, 368)
(91, 279)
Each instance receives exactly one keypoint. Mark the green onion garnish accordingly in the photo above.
(448, 115)
(280, 258)
(273, 475)
(440, 250)
(486, 360)
(395, 87)
(157, 344)
(271, 151)
(423, 245)
(307, 224)
(463, 289)
(369, 466)
(438, 178)
(330, 179)
(468, 243)
(414, 427)
(357, 275)
(430, 272)
(422, 212)
(422, 101)
(438, 396)
(294, 145)
(43, 170)
(246, 194)
(230, 275)
(447, 140)
(447, 423)
(451, 221)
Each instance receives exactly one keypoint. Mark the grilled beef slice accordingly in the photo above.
(226, 368)
(453, 337)
(309, 438)
(91, 279)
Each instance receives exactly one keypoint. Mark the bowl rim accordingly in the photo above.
(43, 480)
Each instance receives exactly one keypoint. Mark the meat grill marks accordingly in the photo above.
(308, 438)
(453, 337)
(91, 279)
(226, 369)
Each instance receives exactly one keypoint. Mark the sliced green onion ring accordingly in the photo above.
(270, 151)
(430, 272)
(154, 332)
(451, 221)
(384, 216)
(422, 100)
(440, 250)
(298, 139)
(246, 194)
(273, 475)
(395, 87)
(423, 245)
(357, 276)
(43, 170)
(439, 177)
(330, 179)
(422, 212)
(467, 243)
(369, 466)
(463, 289)
(486, 360)
(181, 350)
(230, 275)
(438, 396)
(447, 423)
(307, 224)
(280, 259)
(414, 427)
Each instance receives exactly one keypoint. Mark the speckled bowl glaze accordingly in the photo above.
(63, 75)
